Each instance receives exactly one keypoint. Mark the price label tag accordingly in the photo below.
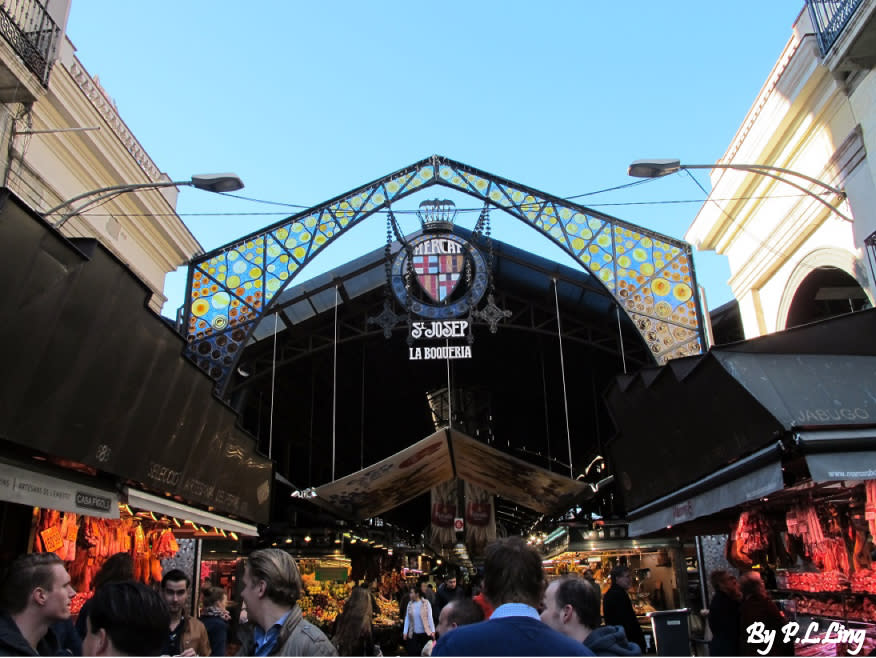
(72, 531)
(52, 539)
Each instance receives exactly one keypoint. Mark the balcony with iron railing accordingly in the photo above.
(870, 246)
(846, 30)
(32, 34)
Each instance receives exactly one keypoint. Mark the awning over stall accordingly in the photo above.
(693, 435)
(833, 455)
(92, 375)
(170, 507)
(738, 483)
(438, 458)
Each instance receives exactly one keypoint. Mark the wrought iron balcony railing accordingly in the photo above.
(32, 33)
(829, 18)
(870, 245)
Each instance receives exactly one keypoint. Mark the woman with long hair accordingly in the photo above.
(353, 635)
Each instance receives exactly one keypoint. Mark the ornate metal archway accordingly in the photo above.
(650, 275)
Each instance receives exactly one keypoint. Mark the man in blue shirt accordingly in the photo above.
(514, 583)
(271, 589)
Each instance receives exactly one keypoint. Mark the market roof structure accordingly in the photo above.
(650, 276)
(362, 388)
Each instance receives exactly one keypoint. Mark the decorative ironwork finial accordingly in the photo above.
(437, 214)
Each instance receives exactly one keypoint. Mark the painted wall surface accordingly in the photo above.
(810, 120)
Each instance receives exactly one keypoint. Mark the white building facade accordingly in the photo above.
(62, 136)
(792, 259)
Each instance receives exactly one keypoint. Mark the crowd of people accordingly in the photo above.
(513, 612)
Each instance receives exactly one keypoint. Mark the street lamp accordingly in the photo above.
(664, 167)
(210, 182)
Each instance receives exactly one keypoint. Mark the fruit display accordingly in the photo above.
(387, 612)
(323, 601)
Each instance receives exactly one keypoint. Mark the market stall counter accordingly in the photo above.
(658, 568)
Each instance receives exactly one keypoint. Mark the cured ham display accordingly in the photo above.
(870, 506)
(84, 543)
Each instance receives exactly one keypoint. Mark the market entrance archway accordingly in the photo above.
(347, 396)
(651, 276)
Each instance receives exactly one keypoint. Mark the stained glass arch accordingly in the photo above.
(651, 276)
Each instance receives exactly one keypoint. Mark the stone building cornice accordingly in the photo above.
(766, 91)
(107, 110)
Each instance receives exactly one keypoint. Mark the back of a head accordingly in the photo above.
(212, 596)
(26, 573)
(513, 573)
(280, 573)
(717, 578)
(358, 603)
(353, 622)
(134, 616)
(117, 568)
(584, 596)
(463, 612)
(619, 572)
(750, 584)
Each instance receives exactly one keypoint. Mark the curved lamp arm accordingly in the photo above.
(664, 167)
(210, 182)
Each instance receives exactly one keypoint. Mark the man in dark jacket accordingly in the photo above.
(36, 594)
(571, 606)
(447, 591)
(617, 609)
(724, 614)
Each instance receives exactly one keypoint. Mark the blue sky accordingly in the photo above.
(305, 101)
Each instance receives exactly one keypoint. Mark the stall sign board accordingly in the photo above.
(52, 539)
(26, 487)
(336, 574)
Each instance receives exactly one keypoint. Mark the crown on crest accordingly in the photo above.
(437, 214)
